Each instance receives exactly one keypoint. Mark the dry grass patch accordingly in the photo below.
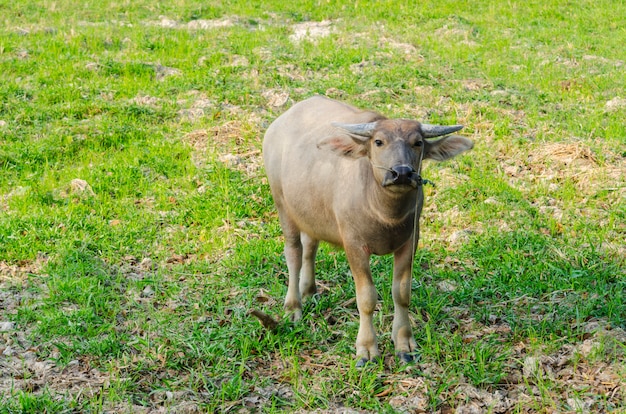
(221, 139)
(555, 163)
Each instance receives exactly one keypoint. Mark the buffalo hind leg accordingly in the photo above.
(307, 272)
(401, 334)
(293, 256)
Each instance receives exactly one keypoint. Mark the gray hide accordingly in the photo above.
(351, 178)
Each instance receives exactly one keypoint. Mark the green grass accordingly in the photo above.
(136, 290)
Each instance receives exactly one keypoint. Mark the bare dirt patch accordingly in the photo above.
(219, 141)
(407, 50)
(457, 32)
(276, 98)
(196, 112)
(615, 104)
(21, 369)
(311, 31)
(199, 24)
(146, 100)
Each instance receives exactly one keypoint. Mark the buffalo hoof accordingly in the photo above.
(364, 362)
(406, 357)
(294, 315)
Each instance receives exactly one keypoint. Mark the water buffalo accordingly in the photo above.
(352, 178)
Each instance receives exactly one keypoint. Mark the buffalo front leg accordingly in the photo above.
(366, 299)
(401, 334)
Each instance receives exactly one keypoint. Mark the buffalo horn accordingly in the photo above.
(364, 130)
(432, 131)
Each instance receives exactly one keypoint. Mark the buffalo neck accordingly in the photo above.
(392, 207)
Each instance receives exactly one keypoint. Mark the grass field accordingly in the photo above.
(137, 229)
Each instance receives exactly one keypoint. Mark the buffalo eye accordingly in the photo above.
(418, 144)
(378, 143)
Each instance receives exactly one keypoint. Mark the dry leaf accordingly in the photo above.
(266, 320)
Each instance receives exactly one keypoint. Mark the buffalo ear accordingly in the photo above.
(346, 146)
(447, 147)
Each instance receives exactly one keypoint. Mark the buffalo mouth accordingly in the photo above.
(406, 183)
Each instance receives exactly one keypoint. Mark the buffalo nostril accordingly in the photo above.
(402, 171)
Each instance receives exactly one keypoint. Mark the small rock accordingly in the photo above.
(531, 367)
(167, 23)
(81, 187)
(29, 356)
(92, 66)
(492, 200)
(164, 71)
(461, 236)
(147, 292)
(471, 408)
(615, 104)
(41, 368)
(447, 286)
(588, 347)
(409, 404)
(7, 326)
(499, 92)
(146, 264)
(579, 405)
(276, 98)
